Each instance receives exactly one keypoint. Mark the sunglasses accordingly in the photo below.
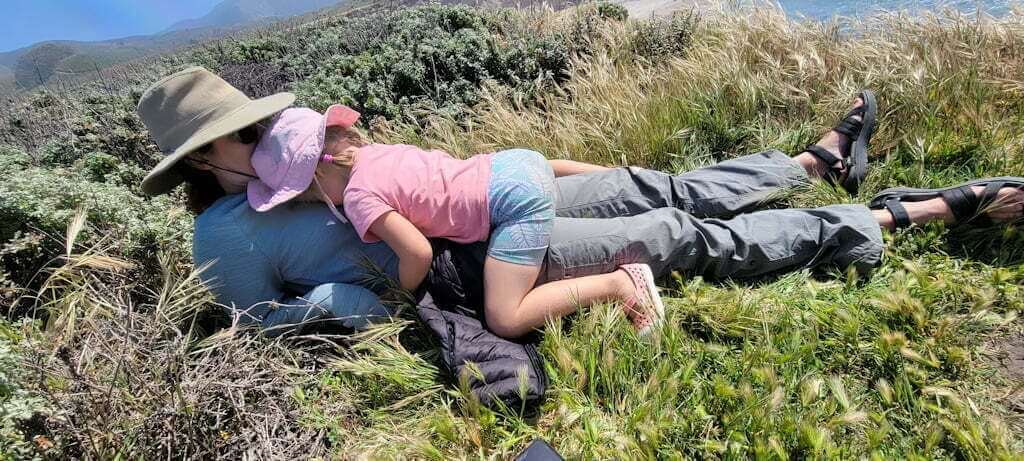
(247, 135)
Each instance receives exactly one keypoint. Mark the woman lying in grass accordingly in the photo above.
(403, 195)
(704, 222)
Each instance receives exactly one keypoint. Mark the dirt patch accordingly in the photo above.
(1011, 357)
(1010, 363)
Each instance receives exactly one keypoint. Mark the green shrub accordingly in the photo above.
(37, 203)
(612, 11)
(110, 124)
(18, 406)
(393, 63)
(59, 130)
(657, 39)
(97, 165)
(105, 168)
(254, 50)
(432, 58)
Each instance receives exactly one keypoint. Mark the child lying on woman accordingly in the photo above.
(403, 195)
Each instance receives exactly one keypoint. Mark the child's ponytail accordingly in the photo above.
(339, 143)
(342, 159)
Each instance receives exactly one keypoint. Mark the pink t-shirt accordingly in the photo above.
(442, 196)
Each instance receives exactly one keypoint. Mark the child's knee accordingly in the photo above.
(503, 323)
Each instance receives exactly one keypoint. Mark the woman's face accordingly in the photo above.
(227, 158)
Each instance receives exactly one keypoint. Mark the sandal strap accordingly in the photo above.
(823, 154)
(962, 202)
(859, 110)
(988, 196)
(849, 127)
(899, 213)
(830, 159)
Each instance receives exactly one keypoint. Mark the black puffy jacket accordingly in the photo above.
(452, 308)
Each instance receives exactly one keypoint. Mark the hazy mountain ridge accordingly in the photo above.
(29, 66)
(236, 12)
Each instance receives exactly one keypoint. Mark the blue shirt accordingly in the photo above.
(259, 262)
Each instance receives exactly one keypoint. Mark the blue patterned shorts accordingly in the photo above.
(522, 206)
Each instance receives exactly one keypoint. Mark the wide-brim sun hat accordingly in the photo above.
(189, 109)
(286, 157)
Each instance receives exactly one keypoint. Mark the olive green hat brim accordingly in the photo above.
(162, 178)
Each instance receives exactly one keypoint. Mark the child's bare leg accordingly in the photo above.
(514, 307)
(571, 167)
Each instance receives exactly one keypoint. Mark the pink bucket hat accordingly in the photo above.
(286, 157)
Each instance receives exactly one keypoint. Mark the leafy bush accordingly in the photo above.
(659, 39)
(110, 125)
(614, 11)
(432, 58)
(59, 130)
(18, 405)
(37, 203)
(396, 64)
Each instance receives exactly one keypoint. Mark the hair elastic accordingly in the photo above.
(327, 158)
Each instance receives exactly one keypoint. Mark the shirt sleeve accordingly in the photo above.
(327, 305)
(363, 208)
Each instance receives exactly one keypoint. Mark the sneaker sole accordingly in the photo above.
(659, 306)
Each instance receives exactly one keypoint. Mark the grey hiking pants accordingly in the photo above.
(704, 222)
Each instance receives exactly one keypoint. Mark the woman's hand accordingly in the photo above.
(411, 246)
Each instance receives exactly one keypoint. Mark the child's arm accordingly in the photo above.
(411, 246)
(571, 167)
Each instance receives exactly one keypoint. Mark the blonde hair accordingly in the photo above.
(336, 141)
(338, 144)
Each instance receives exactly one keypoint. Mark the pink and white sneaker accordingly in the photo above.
(644, 308)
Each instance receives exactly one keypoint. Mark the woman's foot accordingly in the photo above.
(837, 144)
(641, 301)
(1007, 206)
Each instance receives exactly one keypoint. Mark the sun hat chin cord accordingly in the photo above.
(330, 203)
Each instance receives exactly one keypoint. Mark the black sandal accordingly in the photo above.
(967, 206)
(859, 132)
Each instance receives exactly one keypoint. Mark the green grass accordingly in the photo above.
(901, 365)
(898, 365)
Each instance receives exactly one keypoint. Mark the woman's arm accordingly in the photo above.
(351, 306)
(571, 167)
(411, 246)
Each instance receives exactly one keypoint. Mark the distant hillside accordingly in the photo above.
(39, 63)
(237, 12)
(46, 61)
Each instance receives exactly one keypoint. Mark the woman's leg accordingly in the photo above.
(746, 246)
(749, 245)
(728, 188)
(1008, 206)
(723, 190)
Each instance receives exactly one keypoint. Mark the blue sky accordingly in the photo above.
(25, 22)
